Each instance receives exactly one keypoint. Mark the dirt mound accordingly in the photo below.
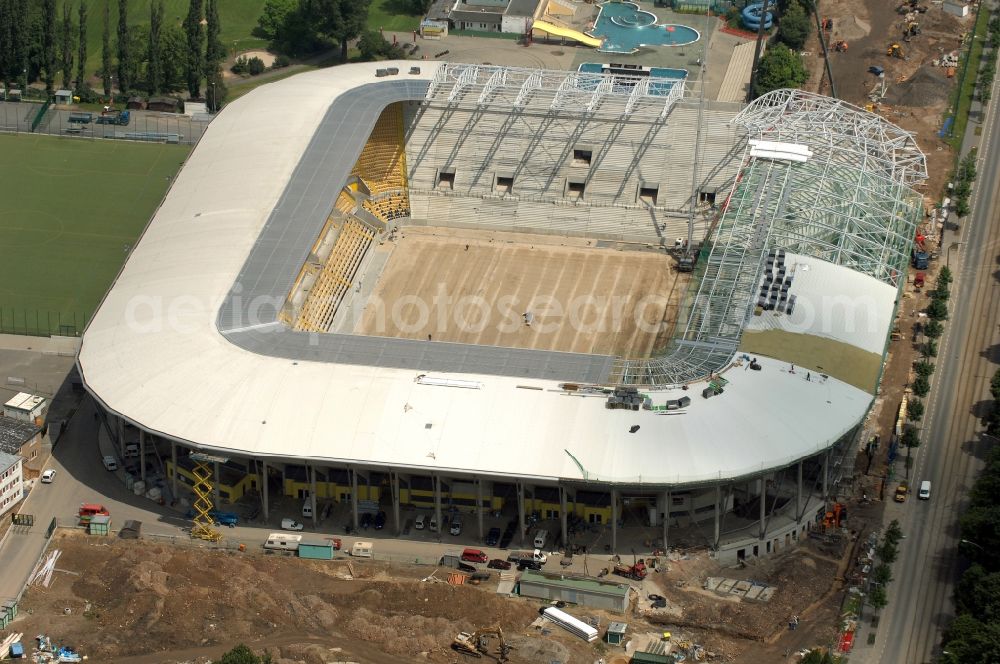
(926, 87)
(851, 27)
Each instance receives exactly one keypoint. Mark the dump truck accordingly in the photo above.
(121, 118)
(920, 257)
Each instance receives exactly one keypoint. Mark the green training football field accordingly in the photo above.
(70, 210)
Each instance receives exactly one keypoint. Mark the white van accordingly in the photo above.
(110, 463)
(307, 508)
(362, 550)
(420, 522)
(925, 490)
(540, 538)
(283, 542)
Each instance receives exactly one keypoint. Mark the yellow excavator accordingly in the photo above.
(477, 644)
(895, 51)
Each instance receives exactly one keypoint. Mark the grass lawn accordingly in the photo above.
(388, 15)
(73, 209)
(238, 18)
(967, 87)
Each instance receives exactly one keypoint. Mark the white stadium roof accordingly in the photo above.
(154, 353)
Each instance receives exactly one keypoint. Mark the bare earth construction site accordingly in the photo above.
(476, 287)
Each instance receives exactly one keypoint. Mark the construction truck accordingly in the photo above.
(476, 644)
(920, 257)
(121, 118)
(840, 46)
(535, 556)
(911, 30)
(635, 571)
(895, 51)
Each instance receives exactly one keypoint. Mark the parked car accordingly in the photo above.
(420, 523)
(492, 537)
(110, 463)
(48, 476)
(380, 521)
(366, 520)
(498, 563)
(432, 525)
(291, 524)
(456, 526)
(474, 556)
(225, 518)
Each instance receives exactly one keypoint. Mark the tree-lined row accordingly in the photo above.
(152, 57)
(974, 636)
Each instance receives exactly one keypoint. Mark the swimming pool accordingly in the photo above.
(625, 28)
(661, 79)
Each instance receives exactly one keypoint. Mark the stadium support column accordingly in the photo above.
(798, 495)
(479, 505)
(312, 492)
(762, 498)
(614, 520)
(437, 501)
(666, 521)
(718, 499)
(354, 497)
(142, 455)
(263, 485)
(121, 437)
(826, 475)
(564, 518)
(173, 463)
(520, 511)
(394, 487)
(215, 484)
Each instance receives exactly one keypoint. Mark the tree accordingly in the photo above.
(273, 19)
(924, 368)
(995, 385)
(877, 598)
(81, 47)
(981, 524)
(978, 593)
(779, 68)
(893, 532)
(882, 574)
(49, 44)
(937, 310)
(910, 437)
(921, 386)
(817, 657)
(195, 65)
(373, 46)
(944, 276)
(173, 58)
(887, 552)
(215, 52)
(915, 410)
(106, 50)
(243, 655)
(793, 28)
(337, 21)
(154, 68)
(125, 66)
(933, 330)
(67, 45)
(931, 348)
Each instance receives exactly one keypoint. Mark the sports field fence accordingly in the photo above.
(27, 117)
(39, 323)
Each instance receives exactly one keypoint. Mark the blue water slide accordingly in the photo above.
(751, 16)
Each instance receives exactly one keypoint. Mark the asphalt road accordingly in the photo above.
(920, 598)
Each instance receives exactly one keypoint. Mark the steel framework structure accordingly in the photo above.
(851, 202)
(514, 88)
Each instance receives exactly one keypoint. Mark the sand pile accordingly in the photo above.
(850, 27)
(927, 86)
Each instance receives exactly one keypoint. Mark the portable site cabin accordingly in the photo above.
(64, 97)
(100, 524)
(282, 542)
(316, 550)
(616, 633)
(363, 550)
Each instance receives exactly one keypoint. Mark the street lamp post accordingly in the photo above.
(971, 543)
(214, 109)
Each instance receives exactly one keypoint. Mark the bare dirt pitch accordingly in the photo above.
(474, 287)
